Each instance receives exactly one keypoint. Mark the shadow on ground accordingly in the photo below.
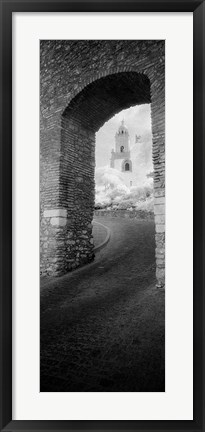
(102, 328)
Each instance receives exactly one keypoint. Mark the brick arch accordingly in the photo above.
(103, 74)
(104, 97)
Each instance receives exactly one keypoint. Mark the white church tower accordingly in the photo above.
(121, 158)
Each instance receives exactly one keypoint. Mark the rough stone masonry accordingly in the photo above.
(83, 84)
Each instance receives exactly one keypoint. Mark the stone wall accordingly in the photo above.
(124, 213)
(83, 84)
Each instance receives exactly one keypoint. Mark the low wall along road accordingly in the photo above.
(101, 235)
(124, 213)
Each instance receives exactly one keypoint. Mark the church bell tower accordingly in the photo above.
(120, 157)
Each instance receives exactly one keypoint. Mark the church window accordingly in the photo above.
(127, 166)
(122, 149)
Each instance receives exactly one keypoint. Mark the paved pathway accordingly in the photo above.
(102, 327)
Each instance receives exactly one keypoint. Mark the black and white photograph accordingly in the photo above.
(102, 309)
(102, 215)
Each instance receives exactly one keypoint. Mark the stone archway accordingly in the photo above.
(69, 163)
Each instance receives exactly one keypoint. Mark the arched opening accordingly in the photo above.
(106, 96)
(126, 165)
(83, 117)
(122, 148)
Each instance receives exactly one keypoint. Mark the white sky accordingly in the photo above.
(138, 121)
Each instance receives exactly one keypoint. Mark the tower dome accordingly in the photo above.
(122, 128)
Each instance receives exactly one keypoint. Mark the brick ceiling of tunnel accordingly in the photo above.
(103, 98)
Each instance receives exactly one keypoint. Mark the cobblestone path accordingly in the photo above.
(102, 327)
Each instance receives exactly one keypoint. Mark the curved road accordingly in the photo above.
(102, 327)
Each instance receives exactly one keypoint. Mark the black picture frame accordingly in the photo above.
(7, 8)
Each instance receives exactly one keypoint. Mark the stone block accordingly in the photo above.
(159, 209)
(160, 274)
(160, 228)
(58, 221)
(159, 200)
(160, 219)
(159, 193)
(160, 262)
(54, 213)
(160, 251)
